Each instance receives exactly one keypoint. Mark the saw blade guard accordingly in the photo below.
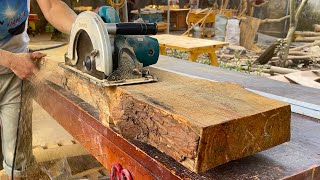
(94, 26)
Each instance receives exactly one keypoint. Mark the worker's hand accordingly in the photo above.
(24, 64)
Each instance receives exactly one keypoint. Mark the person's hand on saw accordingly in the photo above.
(22, 64)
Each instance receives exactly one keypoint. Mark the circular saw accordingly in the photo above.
(110, 53)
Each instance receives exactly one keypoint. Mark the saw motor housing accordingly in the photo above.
(106, 49)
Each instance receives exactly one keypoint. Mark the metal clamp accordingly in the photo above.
(117, 173)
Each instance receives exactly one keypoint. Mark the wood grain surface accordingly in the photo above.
(199, 123)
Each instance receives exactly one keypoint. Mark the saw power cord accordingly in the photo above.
(48, 48)
(17, 138)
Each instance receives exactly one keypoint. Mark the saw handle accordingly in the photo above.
(136, 28)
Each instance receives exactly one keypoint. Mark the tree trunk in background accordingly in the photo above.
(294, 16)
(250, 8)
(292, 29)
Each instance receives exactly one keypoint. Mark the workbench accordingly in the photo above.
(297, 159)
(149, 15)
(177, 19)
(177, 16)
(192, 45)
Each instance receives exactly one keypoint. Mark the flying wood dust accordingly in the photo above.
(68, 167)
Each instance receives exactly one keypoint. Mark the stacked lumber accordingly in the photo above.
(199, 123)
(306, 36)
(308, 53)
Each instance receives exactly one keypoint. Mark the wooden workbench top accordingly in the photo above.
(187, 42)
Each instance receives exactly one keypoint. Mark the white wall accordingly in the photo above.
(315, 4)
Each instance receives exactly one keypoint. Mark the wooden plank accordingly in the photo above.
(306, 33)
(201, 124)
(281, 78)
(305, 78)
(307, 39)
(94, 171)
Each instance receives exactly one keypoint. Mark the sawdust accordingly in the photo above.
(25, 128)
(30, 89)
(44, 72)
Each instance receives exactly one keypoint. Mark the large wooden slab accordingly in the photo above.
(199, 123)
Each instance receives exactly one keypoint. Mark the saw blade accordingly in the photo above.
(86, 53)
(105, 83)
(128, 66)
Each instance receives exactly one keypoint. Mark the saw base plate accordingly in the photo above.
(105, 82)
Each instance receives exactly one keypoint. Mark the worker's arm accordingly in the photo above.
(58, 14)
(22, 64)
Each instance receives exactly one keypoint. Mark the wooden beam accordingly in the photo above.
(307, 33)
(316, 43)
(307, 39)
(200, 124)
